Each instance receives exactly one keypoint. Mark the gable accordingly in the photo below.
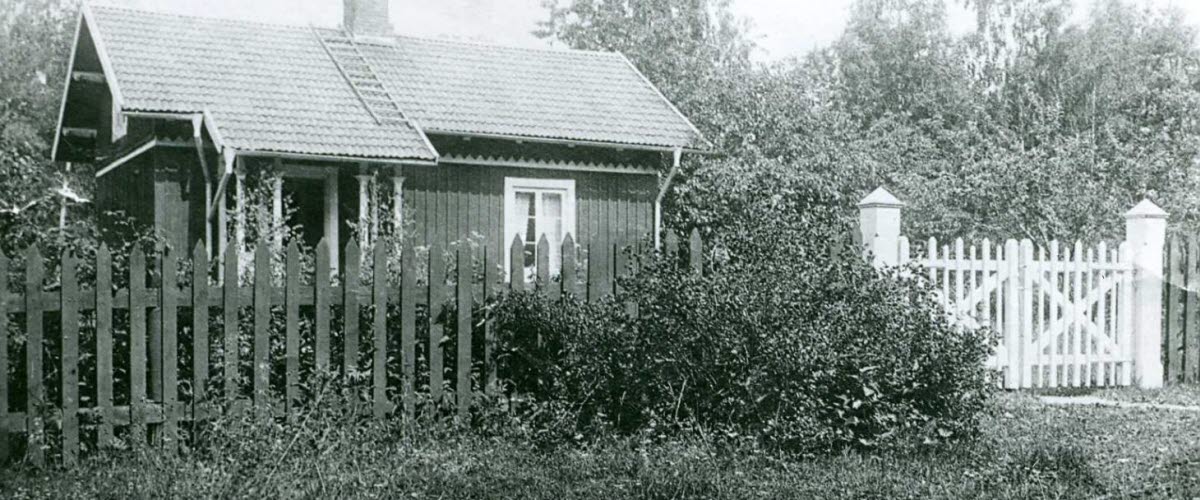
(267, 88)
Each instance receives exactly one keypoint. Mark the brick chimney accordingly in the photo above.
(366, 17)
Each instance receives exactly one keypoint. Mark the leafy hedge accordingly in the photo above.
(788, 338)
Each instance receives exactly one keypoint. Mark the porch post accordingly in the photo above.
(398, 207)
(879, 221)
(1145, 232)
(374, 193)
(332, 222)
(227, 157)
(239, 222)
(222, 235)
(277, 223)
(364, 210)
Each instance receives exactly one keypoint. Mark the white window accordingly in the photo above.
(536, 207)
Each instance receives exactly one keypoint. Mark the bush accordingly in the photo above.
(788, 338)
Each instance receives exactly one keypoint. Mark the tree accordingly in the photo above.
(36, 36)
(1032, 126)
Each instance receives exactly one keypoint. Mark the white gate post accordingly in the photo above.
(1145, 231)
(879, 221)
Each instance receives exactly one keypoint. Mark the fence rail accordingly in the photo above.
(159, 390)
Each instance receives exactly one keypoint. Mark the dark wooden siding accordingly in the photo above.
(444, 203)
(452, 202)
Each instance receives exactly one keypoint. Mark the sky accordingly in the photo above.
(781, 28)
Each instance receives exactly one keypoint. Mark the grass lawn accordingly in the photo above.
(1028, 451)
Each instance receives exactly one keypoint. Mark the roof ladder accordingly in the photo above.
(363, 79)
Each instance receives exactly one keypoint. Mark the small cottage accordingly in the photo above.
(359, 128)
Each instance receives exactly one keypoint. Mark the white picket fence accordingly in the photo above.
(1063, 314)
(1067, 316)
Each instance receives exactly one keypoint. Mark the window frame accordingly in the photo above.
(514, 225)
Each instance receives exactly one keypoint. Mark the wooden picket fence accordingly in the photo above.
(1063, 313)
(1181, 305)
(156, 406)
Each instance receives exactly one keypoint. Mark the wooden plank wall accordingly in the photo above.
(449, 202)
(160, 416)
(1181, 304)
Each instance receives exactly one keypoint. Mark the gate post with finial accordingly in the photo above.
(1145, 232)
(879, 223)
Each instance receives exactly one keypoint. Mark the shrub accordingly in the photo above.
(788, 338)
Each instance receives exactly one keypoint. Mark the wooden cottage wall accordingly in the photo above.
(128, 192)
(449, 202)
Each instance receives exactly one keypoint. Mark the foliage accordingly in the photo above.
(36, 36)
(789, 338)
(1032, 125)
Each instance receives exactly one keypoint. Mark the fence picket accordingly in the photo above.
(350, 319)
(35, 394)
(154, 338)
(137, 347)
(291, 314)
(1127, 314)
(464, 304)
(379, 286)
(947, 280)
(69, 295)
(199, 327)
(568, 267)
(321, 303)
(1117, 321)
(232, 308)
(516, 265)
(1039, 321)
(168, 314)
(960, 268)
(931, 249)
(970, 283)
(987, 280)
(1088, 336)
(1191, 347)
(262, 325)
(541, 281)
(489, 328)
(1012, 318)
(1174, 336)
(4, 358)
(408, 330)
(1104, 367)
(436, 301)
(1077, 276)
(1001, 282)
(1026, 311)
(1055, 310)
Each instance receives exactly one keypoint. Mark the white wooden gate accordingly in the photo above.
(1063, 313)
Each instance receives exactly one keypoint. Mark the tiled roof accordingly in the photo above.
(461, 87)
(268, 88)
(274, 88)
